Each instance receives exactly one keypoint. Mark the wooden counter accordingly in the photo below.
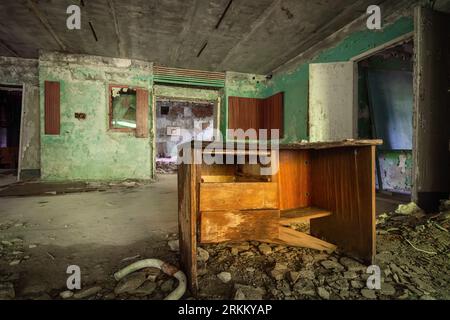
(331, 184)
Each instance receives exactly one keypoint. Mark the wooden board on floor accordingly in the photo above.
(343, 182)
(238, 196)
(294, 179)
(300, 215)
(221, 226)
(187, 221)
(293, 238)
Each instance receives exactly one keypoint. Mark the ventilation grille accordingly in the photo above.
(189, 77)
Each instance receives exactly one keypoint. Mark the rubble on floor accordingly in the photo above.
(166, 167)
(413, 255)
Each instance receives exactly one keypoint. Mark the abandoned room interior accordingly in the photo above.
(331, 118)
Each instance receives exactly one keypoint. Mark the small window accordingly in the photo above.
(122, 108)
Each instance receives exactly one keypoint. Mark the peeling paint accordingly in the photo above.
(88, 150)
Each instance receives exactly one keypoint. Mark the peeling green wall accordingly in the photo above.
(87, 149)
(295, 83)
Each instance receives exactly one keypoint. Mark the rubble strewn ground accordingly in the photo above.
(413, 254)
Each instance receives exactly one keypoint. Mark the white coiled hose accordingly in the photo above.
(165, 267)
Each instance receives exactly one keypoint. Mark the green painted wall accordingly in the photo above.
(295, 83)
(87, 149)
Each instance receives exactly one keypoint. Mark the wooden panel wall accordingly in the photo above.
(52, 107)
(343, 181)
(251, 113)
(295, 179)
(272, 112)
(142, 113)
(243, 113)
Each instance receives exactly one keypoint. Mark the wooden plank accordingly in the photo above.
(217, 179)
(187, 222)
(431, 142)
(299, 146)
(300, 215)
(52, 107)
(291, 237)
(142, 113)
(294, 179)
(343, 182)
(238, 196)
(221, 226)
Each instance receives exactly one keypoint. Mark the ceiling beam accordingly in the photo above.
(253, 27)
(32, 6)
(120, 44)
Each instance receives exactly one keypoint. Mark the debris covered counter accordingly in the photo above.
(331, 184)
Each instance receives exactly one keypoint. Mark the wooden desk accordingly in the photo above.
(332, 185)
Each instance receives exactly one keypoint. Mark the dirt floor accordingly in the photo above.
(115, 224)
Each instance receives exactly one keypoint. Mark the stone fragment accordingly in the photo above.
(202, 255)
(332, 265)
(368, 294)
(130, 283)
(86, 293)
(66, 294)
(244, 292)
(174, 245)
(323, 293)
(265, 249)
(225, 277)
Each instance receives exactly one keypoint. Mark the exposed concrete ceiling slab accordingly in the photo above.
(254, 36)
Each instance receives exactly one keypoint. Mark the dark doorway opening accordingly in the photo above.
(386, 100)
(10, 121)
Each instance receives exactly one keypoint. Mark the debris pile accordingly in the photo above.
(413, 256)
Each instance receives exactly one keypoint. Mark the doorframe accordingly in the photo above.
(19, 87)
(410, 36)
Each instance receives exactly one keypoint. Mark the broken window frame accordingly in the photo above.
(111, 114)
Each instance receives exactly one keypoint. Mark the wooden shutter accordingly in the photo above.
(273, 113)
(252, 113)
(243, 113)
(52, 107)
(141, 113)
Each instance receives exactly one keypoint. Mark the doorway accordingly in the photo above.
(385, 111)
(179, 121)
(10, 123)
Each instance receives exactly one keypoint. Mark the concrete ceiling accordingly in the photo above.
(254, 36)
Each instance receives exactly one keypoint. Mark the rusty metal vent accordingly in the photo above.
(189, 77)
